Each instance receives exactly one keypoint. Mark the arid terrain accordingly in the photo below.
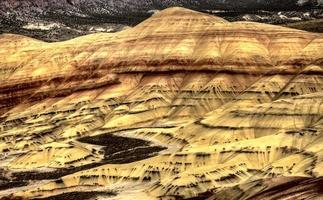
(184, 105)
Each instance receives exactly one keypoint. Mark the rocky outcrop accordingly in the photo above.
(141, 7)
(235, 103)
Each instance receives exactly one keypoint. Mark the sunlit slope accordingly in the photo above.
(233, 102)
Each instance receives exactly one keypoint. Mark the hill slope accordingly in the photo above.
(238, 106)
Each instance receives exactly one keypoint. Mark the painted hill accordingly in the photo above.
(237, 105)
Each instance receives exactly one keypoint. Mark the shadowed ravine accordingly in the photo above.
(117, 150)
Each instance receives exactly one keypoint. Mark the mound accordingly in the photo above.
(238, 105)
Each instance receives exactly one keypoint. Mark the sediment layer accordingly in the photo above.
(235, 104)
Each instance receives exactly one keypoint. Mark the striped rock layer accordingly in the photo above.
(238, 105)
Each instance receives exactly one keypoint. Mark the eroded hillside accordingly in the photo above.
(234, 110)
